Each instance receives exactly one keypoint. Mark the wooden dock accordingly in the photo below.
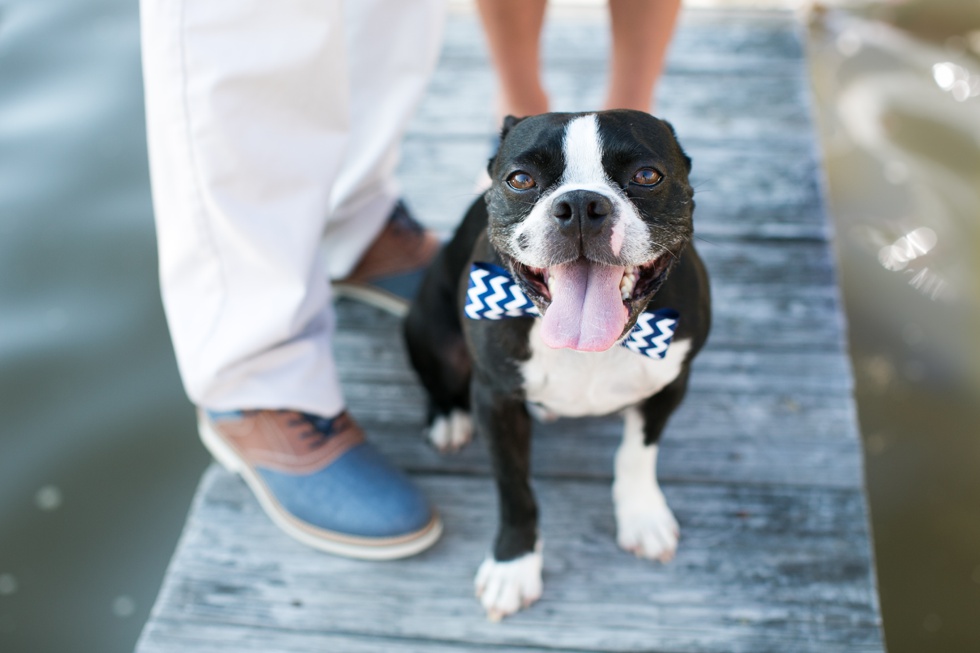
(762, 464)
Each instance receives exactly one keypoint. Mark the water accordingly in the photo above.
(98, 456)
(898, 89)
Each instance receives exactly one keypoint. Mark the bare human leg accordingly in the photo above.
(641, 33)
(513, 29)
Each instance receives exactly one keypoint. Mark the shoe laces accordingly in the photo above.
(319, 429)
(403, 221)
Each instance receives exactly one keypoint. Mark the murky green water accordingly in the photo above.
(898, 89)
(98, 456)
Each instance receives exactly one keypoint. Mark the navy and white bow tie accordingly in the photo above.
(494, 295)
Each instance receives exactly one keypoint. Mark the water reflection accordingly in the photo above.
(48, 498)
(897, 87)
(98, 455)
(957, 80)
(8, 584)
(913, 245)
(909, 247)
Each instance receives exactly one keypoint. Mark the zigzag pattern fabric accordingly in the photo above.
(494, 295)
(652, 333)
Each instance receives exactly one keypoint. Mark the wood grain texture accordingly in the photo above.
(758, 570)
(762, 463)
(767, 108)
(706, 40)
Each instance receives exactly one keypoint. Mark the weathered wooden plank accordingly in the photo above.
(758, 570)
(705, 41)
(740, 192)
(758, 110)
(163, 636)
(713, 39)
(704, 442)
(704, 416)
(791, 461)
(770, 263)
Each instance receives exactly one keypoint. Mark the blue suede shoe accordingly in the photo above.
(391, 271)
(322, 483)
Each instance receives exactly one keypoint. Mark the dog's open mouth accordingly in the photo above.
(588, 303)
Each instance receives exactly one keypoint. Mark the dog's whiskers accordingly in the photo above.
(666, 249)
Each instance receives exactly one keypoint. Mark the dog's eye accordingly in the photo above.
(520, 181)
(646, 177)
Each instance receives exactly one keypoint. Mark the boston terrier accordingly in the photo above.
(571, 288)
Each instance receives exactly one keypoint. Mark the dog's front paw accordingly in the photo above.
(540, 413)
(450, 433)
(648, 529)
(505, 587)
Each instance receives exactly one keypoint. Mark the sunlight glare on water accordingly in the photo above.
(957, 80)
(909, 247)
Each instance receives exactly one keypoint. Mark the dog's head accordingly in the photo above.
(590, 211)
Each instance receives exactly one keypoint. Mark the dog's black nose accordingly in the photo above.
(583, 209)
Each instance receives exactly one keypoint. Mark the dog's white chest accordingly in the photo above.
(574, 383)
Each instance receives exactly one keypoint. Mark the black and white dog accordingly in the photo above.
(587, 224)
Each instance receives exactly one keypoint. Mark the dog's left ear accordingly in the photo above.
(687, 159)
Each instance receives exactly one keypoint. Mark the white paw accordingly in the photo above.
(450, 433)
(647, 529)
(505, 587)
(540, 413)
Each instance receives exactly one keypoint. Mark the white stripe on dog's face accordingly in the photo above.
(582, 149)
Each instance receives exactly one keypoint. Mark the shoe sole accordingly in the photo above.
(372, 296)
(349, 546)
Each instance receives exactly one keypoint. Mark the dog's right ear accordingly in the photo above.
(509, 123)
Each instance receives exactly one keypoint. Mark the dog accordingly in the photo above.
(581, 245)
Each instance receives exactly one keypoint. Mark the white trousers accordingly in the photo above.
(273, 130)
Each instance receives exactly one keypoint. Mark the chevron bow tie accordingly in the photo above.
(494, 295)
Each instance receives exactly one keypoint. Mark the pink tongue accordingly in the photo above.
(586, 311)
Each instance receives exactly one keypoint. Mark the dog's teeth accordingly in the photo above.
(627, 283)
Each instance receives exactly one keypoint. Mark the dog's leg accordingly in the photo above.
(645, 524)
(448, 383)
(510, 578)
(437, 349)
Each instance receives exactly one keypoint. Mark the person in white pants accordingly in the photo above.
(273, 132)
